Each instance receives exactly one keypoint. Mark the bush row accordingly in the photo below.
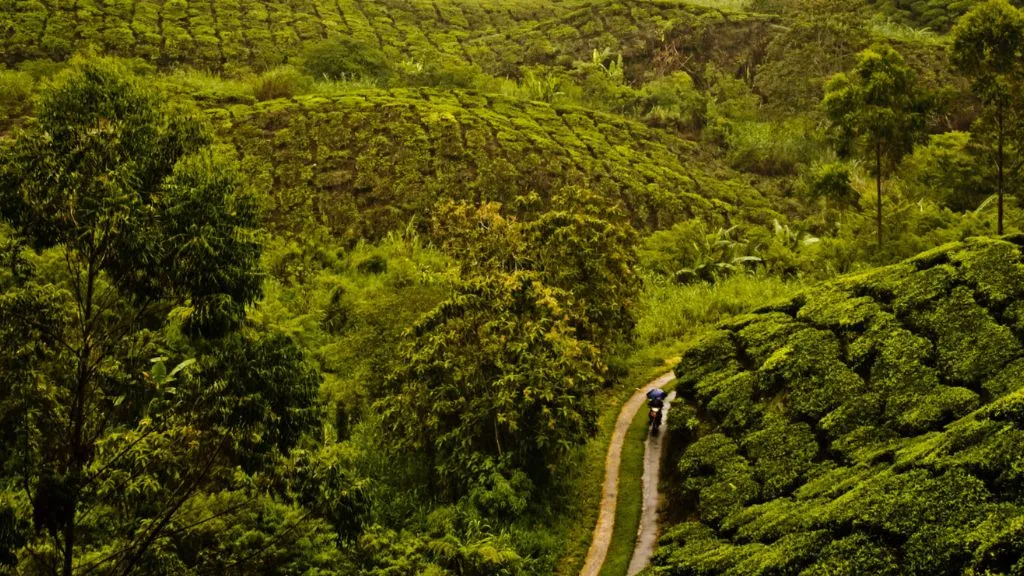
(864, 426)
(367, 162)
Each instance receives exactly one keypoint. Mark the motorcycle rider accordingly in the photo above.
(656, 400)
(656, 397)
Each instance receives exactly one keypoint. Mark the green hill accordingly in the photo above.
(660, 166)
(869, 426)
(654, 38)
(366, 163)
(931, 14)
(235, 34)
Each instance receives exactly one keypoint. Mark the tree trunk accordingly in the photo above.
(77, 452)
(999, 160)
(878, 184)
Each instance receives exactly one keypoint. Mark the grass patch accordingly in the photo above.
(630, 501)
(726, 5)
(672, 312)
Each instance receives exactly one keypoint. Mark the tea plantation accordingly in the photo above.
(359, 287)
(234, 36)
(366, 163)
(872, 425)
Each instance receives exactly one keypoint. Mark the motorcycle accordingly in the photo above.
(654, 419)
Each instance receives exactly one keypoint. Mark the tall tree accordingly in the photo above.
(580, 245)
(987, 47)
(495, 380)
(139, 229)
(876, 110)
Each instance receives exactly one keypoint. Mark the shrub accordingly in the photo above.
(674, 101)
(706, 356)
(769, 148)
(281, 82)
(781, 454)
(15, 93)
(867, 426)
(971, 346)
(337, 313)
(831, 183)
(948, 171)
(718, 477)
(345, 59)
(855, 555)
(375, 264)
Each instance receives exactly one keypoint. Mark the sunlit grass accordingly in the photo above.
(629, 507)
(671, 311)
(895, 31)
(729, 5)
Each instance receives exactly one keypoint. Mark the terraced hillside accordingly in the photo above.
(931, 14)
(869, 426)
(235, 33)
(367, 162)
(654, 38)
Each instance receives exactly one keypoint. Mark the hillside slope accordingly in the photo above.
(234, 34)
(367, 162)
(869, 426)
(231, 36)
(654, 38)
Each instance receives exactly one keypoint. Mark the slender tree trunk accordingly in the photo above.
(77, 450)
(878, 185)
(1000, 159)
(69, 545)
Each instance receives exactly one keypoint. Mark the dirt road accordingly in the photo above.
(609, 498)
(647, 534)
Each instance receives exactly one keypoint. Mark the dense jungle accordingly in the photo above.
(360, 287)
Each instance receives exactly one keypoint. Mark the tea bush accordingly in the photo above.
(865, 424)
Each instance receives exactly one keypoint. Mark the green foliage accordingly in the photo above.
(341, 59)
(144, 244)
(936, 15)
(594, 260)
(462, 147)
(987, 48)
(495, 380)
(863, 425)
(458, 200)
(830, 183)
(281, 82)
(562, 246)
(674, 101)
(263, 391)
(669, 311)
(821, 41)
(783, 454)
(15, 94)
(947, 171)
(769, 148)
(154, 228)
(689, 252)
(876, 110)
(718, 477)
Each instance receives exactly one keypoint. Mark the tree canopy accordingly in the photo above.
(876, 110)
(987, 48)
(141, 232)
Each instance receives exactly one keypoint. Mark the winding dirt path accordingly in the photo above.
(647, 533)
(609, 494)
